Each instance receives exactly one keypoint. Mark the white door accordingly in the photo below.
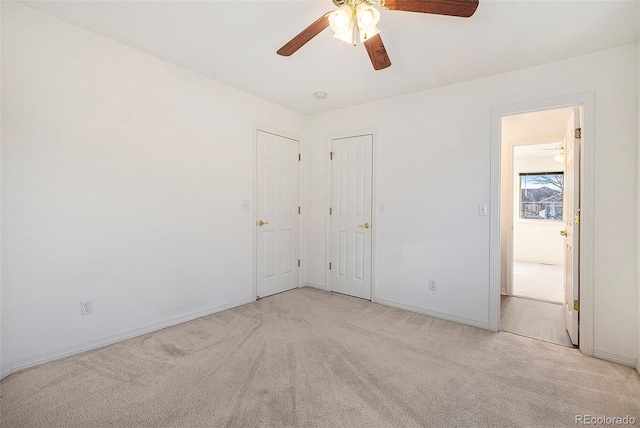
(277, 214)
(571, 210)
(351, 188)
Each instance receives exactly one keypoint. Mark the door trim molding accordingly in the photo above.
(587, 102)
(254, 199)
(337, 136)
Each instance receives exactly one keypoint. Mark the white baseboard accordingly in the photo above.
(314, 285)
(25, 363)
(625, 361)
(435, 314)
(5, 371)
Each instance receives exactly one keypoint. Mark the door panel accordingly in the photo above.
(277, 208)
(287, 251)
(351, 190)
(571, 209)
(269, 254)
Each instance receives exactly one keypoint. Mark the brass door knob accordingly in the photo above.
(262, 223)
(366, 225)
(564, 233)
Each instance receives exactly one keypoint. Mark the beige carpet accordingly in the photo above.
(535, 319)
(311, 358)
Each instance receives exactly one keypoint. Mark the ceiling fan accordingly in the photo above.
(358, 19)
(558, 150)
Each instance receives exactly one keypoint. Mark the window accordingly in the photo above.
(541, 195)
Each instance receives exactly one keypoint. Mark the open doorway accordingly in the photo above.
(538, 248)
(535, 298)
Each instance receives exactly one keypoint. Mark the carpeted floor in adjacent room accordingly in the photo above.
(312, 358)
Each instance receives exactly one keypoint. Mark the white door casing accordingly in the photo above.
(586, 101)
(351, 215)
(277, 214)
(571, 210)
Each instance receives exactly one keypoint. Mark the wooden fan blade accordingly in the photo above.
(305, 35)
(462, 8)
(377, 52)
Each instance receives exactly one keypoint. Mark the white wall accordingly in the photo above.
(535, 240)
(122, 182)
(433, 170)
(3, 370)
(638, 243)
(122, 177)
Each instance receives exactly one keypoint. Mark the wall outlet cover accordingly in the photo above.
(86, 307)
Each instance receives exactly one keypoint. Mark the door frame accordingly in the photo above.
(254, 199)
(587, 102)
(328, 242)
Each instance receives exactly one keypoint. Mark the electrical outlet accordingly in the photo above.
(86, 307)
(432, 285)
(246, 205)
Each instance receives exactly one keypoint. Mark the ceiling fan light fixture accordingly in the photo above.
(341, 23)
(367, 17)
(560, 156)
(360, 16)
(366, 35)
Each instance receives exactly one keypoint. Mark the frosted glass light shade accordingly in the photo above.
(366, 35)
(341, 22)
(367, 17)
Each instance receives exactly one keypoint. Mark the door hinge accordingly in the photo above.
(578, 133)
(298, 263)
(330, 155)
(329, 265)
(298, 210)
(576, 305)
(330, 211)
(576, 219)
(299, 157)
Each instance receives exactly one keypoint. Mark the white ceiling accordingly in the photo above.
(547, 126)
(536, 134)
(235, 42)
